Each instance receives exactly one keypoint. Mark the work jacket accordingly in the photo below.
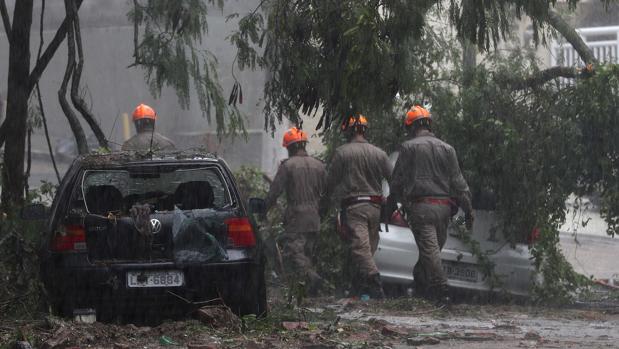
(142, 142)
(303, 178)
(358, 169)
(428, 167)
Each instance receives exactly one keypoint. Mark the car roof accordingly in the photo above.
(131, 158)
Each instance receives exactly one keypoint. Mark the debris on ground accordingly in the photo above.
(22, 345)
(532, 336)
(388, 330)
(218, 316)
(60, 337)
(477, 336)
(295, 325)
(202, 346)
(422, 341)
(166, 341)
(389, 323)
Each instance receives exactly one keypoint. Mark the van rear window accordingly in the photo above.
(164, 188)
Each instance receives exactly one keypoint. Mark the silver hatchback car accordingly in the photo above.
(397, 254)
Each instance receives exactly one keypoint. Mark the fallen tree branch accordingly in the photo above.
(78, 102)
(570, 34)
(555, 20)
(537, 79)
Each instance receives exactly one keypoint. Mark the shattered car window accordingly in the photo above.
(164, 188)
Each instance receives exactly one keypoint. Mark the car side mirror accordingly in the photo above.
(34, 212)
(257, 206)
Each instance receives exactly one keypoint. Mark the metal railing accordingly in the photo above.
(603, 41)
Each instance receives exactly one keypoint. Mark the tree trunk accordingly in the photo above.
(50, 51)
(78, 102)
(17, 106)
(74, 123)
(469, 61)
(570, 34)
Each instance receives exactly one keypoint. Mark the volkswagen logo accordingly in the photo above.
(156, 225)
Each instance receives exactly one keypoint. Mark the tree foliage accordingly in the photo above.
(357, 56)
(167, 42)
(526, 139)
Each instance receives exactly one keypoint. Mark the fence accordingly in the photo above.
(603, 41)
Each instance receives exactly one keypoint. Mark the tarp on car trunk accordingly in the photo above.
(194, 239)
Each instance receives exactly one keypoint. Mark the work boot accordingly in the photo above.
(375, 287)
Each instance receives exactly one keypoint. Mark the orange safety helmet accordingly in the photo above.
(353, 121)
(415, 113)
(294, 135)
(143, 111)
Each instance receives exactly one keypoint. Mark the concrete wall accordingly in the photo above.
(112, 88)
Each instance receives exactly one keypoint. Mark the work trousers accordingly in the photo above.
(429, 225)
(363, 223)
(297, 249)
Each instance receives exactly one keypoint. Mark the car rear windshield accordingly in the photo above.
(164, 188)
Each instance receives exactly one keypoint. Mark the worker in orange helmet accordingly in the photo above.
(356, 173)
(302, 177)
(147, 139)
(425, 178)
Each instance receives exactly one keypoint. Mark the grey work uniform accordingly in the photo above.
(303, 178)
(142, 142)
(425, 177)
(357, 171)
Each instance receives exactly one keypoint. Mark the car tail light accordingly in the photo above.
(241, 232)
(69, 238)
(397, 219)
(533, 236)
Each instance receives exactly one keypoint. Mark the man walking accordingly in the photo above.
(355, 178)
(425, 179)
(302, 177)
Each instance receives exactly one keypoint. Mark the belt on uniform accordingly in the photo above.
(375, 199)
(435, 201)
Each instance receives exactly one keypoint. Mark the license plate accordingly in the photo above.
(155, 278)
(462, 272)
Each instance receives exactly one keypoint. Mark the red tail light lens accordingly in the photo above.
(397, 219)
(534, 236)
(69, 238)
(241, 232)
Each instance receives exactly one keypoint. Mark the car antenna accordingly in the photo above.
(150, 147)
